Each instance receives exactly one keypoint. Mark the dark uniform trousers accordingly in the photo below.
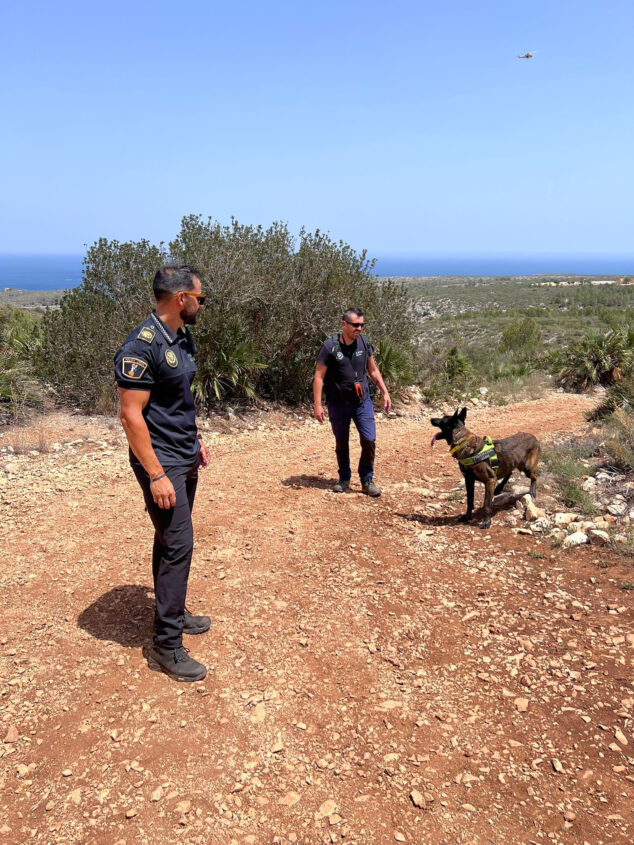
(172, 551)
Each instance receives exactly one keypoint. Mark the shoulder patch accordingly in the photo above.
(147, 334)
(170, 357)
(133, 367)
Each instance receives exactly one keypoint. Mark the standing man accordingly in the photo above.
(343, 365)
(154, 370)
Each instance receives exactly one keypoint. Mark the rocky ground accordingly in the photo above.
(379, 673)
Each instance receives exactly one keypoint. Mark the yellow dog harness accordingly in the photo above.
(486, 453)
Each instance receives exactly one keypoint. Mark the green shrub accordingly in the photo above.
(395, 365)
(595, 359)
(19, 340)
(618, 395)
(523, 335)
(79, 339)
(620, 445)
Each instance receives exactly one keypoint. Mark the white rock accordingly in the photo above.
(576, 539)
(589, 484)
(541, 524)
(617, 508)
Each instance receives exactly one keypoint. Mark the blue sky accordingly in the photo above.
(408, 127)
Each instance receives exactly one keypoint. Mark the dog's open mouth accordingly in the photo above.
(435, 438)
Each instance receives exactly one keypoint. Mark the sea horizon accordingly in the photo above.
(40, 271)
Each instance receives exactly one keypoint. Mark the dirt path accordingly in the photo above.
(367, 655)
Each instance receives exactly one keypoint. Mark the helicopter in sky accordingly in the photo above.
(526, 56)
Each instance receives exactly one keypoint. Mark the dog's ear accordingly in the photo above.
(455, 413)
(462, 415)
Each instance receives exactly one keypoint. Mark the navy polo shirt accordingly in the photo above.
(352, 363)
(155, 358)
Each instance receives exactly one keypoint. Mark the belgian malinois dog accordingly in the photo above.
(486, 460)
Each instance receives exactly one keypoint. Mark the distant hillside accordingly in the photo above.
(30, 298)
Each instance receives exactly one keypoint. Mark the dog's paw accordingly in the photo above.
(485, 524)
(464, 518)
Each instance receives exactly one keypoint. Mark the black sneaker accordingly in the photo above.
(195, 624)
(176, 663)
(370, 488)
(341, 487)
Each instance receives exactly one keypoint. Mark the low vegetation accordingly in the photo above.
(272, 301)
(19, 341)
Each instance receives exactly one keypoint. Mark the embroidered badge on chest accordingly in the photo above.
(170, 357)
(133, 367)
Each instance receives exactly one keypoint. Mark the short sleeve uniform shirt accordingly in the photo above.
(342, 371)
(155, 358)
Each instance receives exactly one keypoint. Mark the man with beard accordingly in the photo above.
(154, 370)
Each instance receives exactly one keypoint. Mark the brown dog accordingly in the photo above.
(478, 457)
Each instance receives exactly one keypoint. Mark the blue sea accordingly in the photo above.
(53, 272)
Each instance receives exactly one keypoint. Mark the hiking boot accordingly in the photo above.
(195, 624)
(341, 487)
(176, 663)
(370, 488)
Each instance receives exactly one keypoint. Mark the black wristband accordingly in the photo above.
(158, 477)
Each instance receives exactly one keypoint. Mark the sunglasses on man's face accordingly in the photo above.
(355, 325)
(200, 299)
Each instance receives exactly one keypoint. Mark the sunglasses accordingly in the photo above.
(200, 299)
(355, 325)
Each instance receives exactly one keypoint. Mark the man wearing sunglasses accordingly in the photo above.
(154, 370)
(343, 365)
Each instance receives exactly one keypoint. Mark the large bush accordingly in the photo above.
(79, 339)
(596, 359)
(19, 339)
(272, 300)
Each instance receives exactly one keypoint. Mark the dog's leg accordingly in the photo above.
(501, 485)
(530, 470)
(489, 486)
(469, 483)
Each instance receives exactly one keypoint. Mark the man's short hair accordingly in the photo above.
(172, 278)
(352, 312)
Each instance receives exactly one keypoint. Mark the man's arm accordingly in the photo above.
(377, 378)
(318, 386)
(205, 455)
(132, 404)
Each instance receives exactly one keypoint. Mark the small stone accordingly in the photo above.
(556, 764)
(259, 713)
(399, 837)
(67, 773)
(183, 807)
(75, 797)
(417, 798)
(157, 794)
(12, 734)
(49, 806)
(619, 736)
(521, 704)
(599, 538)
(289, 799)
(130, 814)
(326, 809)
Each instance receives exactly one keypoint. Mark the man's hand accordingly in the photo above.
(387, 402)
(319, 413)
(163, 493)
(204, 456)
